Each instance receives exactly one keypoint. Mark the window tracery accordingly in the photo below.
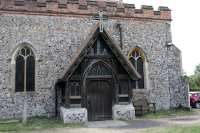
(137, 61)
(25, 70)
(98, 71)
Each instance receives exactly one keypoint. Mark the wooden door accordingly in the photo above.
(99, 100)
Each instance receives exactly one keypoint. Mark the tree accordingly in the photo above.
(197, 79)
(197, 69)
(191, 81)
(185, 75)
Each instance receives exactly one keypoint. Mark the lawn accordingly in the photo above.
(46, 123)
(168, 113)
(37, 123)
(189, 128)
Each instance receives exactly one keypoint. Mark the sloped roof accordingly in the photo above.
(82, 51)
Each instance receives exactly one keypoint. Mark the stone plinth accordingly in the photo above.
(123, 111)
(74, 115)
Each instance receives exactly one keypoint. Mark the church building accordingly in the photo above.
(87, 60)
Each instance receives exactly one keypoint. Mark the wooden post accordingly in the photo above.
(130, 95)
(67, 95)
(24, 111)
(116, 86)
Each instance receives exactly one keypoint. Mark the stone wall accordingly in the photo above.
(150, 37)
(179, 86)
(56, 39)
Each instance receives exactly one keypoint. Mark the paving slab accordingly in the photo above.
(108, 123)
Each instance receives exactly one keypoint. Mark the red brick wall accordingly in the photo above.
(83, 8)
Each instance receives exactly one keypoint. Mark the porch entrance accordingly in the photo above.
(99, 100)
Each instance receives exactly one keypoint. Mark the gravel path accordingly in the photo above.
(135, 126)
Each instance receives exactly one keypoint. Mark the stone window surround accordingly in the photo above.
(145, 63)
(13, 65)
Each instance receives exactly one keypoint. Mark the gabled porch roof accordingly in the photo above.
(85, 47)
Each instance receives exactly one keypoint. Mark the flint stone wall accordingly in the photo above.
(150, 37)
(56, 40)
(179, 86)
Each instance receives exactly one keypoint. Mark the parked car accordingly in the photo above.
(195, 100)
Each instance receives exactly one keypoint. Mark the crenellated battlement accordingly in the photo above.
(83, 7)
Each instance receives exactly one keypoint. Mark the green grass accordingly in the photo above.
(122, 119)
(2, 120)
(168, 113)
(191, 128)
(36, 123)
(194, 88)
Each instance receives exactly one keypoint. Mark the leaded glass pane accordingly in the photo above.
(99, 70)
(23, 52)
(92, 51)
(125, 88)
(132, 61)
(120, 88)
(19, 79)
(77, 89)
(107, 72)
(105, 51)
(27, 51)
(140, 71)
(133, 53)
(103, 71)
(137, 53)
(133, 85)
(30, 74)
(72, 89)
(98, 47)
(94, 71)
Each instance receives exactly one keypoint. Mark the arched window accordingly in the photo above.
(98, 71)
(137, 61)
(25, 70)
(24, 62)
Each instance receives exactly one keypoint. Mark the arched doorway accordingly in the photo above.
(99, 93)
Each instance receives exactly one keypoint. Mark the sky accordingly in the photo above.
(185, 28)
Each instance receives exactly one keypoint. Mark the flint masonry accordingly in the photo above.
(87, 60)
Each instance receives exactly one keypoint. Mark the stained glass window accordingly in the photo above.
(137, 61)
(25, 71)
(30, 74)
(19, 79)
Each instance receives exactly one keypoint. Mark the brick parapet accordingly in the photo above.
(83, 7)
